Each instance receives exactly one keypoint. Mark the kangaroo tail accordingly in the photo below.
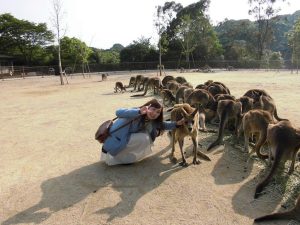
(277, 216)
(275, 165)
(203, 156)
(145, 92)
(276, 115)
(224, 118)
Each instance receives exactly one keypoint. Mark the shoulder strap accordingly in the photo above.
(130, 121)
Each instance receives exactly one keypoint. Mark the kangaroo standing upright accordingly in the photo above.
(190, 128)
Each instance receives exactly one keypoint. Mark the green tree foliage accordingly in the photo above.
(116, 47)
(192, 31)
(23, 38)
(105, 56)
(234, 35)
(294, 43)
(139, 51)
(263, 11)
(74, 51)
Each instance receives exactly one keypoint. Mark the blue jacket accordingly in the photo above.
(118, 140)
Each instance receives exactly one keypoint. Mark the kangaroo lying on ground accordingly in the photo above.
(227, 109)
(256, 122)
(284, 141)
(190, 128)
(293, 214)
(119, 87)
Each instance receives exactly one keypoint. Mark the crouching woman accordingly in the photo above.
(132, 143)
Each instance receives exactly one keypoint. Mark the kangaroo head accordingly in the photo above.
(189, 118)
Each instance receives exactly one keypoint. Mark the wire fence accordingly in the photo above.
(12, 71)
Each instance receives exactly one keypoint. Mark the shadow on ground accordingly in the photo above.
(64, 191)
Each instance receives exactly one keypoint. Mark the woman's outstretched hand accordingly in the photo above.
(180, 122)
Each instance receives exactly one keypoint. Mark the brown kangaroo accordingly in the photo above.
(227, 109)
(256, 122)
(119, 87)
(284, 141)
(190, 128)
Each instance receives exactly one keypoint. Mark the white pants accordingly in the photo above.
(138, 148)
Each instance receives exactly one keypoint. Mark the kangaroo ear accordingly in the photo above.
(170, 109)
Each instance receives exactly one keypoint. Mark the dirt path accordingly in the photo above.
(50, 172)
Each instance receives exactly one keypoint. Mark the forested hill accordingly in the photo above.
(230, 31)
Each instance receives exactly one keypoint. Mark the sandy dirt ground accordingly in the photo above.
(51, 174)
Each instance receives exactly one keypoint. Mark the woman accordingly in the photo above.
(132, 142)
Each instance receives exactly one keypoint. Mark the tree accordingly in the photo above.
(263, 10)
(234, 35)
(185, 33)
(164, 15)
(294, 43)
(192, 30)
(57, 23)
(23, 38)
(139, 51)
(74, 50)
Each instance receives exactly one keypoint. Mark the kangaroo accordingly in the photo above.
(268, 104)
(203, 100)
(166, 79)
(284, 142)
(256, 93)
(167, 95)
(256, 121)
(220, 97)
(201, 86)
(227, 109)
(180, 93)
(247, 103)
(200, 96)
(131, 82)
(104, 76)
(119, 86)
(143, 83)
(154, 83)
(138, 81)
(211, 82)
(180, 80)
(173, 86)
(293, 214)
(215, 89)
(190, 128)
(186, 94)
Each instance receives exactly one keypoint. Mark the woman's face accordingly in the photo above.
(153, 113)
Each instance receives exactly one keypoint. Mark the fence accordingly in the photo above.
(23, 71)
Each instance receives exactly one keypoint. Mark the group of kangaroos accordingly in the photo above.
(253, 115)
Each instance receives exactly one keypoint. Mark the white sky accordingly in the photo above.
(102, 23)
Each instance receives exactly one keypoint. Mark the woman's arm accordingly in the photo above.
(170, 125)
(128, 113)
